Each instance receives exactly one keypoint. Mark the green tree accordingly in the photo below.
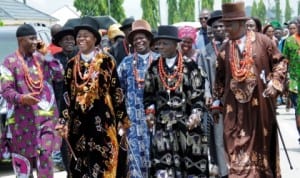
(187, 10)
(173, 12)
(91, 7)
(298, 8)
(277, 11)
(226, 1)
(207, 4)
(116, 10)
(261, 11)
(254, 9)
(150, 12)
(1, 23)
(288, 11)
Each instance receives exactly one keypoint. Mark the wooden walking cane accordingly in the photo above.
(281, 137)
(63, 122)
(263, 77)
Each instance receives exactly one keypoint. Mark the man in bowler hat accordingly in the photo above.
(174, 103)
(250, 73)
(93, 111)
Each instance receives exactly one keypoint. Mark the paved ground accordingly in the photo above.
(287, 124)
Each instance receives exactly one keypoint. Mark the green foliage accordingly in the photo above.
(117, 10)
(187, 9)
(113, 8)
(207, 4)
(288, 11)
(150, 12)
(299, 8)
(254, 9)
(277, 10)
(173, 11)
(226, 1)
(91, 7)
(261, 11)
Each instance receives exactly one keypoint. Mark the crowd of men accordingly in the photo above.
(172, 102)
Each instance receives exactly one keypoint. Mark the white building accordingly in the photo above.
(64, 13)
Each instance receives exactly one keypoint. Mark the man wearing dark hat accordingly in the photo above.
(52, 47)
(122, 47)
(26, 85)
(250, 73)
(131, 72)
(174, 103)
(93, 109)
(64, 39)
(208, 61)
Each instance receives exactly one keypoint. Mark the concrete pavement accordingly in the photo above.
(289, 132)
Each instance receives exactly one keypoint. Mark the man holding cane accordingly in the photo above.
(250, 73)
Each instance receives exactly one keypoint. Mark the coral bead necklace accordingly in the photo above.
(33, 85)
(137, 77)
(77, 71)
(178, 73)
(241, 68)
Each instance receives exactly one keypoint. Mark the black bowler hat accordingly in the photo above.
(127, 23)
(90, 24)
(167, 32)
(214, 16)
(63, 32)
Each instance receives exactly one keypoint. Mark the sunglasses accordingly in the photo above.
(203, 18)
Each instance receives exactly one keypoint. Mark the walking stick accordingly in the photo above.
(263, 77)
(283, 144)
(71, 149)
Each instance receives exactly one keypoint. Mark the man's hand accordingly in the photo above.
(42, 48)
(270, 91)
(208, 101)
(150, 118)
(29, 99)
(62, 130)
(194, 120)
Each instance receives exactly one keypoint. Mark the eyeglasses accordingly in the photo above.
(203, 18)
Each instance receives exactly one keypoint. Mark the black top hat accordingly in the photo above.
(167, 32)
(214, 16)
(127, 23)
(63, 32)
(90, 24)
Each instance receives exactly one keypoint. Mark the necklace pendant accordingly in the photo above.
(86, 64)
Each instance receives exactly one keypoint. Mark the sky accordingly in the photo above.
(132, 7)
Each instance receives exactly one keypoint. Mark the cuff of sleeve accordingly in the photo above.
(216, 105)
(48, 57)
(18, 99)
(277, 85)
